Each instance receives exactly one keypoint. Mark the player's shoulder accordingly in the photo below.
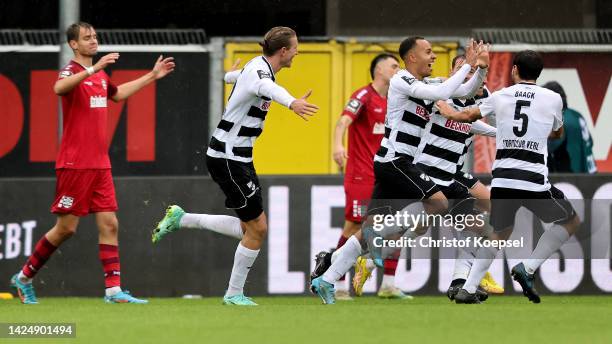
(403, 77)
(72, 67)
(258, 67)
(548, 93)
(362, 93)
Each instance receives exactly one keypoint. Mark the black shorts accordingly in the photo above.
(549, 206)
(465, 179)
(240, 185)
(460, 201)
(400, 183)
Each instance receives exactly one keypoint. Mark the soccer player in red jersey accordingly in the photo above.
(83, 169)
(364, 116)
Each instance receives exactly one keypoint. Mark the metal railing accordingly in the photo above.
(108, 37)
(544, 36)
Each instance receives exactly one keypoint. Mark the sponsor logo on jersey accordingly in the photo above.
(379, 128)
(425, 177)
(88, 83)
(97, 102)
(378, 110)
(104, 84)
(458, 126)
(263, 74)
(353, 106)
(66, 202)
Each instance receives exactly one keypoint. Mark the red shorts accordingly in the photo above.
(80, 192)
(357, 198)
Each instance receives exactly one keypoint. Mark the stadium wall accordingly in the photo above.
(305, 215)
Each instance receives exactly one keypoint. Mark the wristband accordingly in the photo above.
(90, 70)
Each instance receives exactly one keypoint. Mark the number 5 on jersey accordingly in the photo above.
(518, 115)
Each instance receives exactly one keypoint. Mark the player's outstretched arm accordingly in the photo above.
(163, 66)
(443, 91)
(467, 115)
(266, 87)
(67, 83)
(339, 152)
(232, 75)
(482, 128)
(469, 89)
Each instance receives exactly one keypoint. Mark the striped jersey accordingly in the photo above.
(526, 114)
(409, 105)
(247, 106)
(445, 142)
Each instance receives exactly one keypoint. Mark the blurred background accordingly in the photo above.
(158, 138)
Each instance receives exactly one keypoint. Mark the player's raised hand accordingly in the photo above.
(471, 52)
(235, 65)
(163, 66)
(444, 108)
(302, 107)
(483, 55)
(105, 61)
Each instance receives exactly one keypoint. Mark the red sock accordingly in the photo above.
(390, 266)
(341, 241)
(109, 256)
(43, 250)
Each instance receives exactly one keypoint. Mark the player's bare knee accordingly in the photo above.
(65, 229)
(573, 224)
(110, 227)
(436, 204)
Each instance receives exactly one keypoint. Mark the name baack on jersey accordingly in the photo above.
(445, 142)
(526, 114)
(247, 107)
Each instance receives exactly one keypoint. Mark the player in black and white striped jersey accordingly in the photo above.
(441, 155)
(230, 157)
(409, 103)
(527, 115)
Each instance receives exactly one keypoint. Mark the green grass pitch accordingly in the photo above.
(503, 319)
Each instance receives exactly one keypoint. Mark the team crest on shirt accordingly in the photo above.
(66, 202)
(104, 84)
(353, 106)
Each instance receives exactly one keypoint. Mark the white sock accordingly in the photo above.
(23, 278)
(346, 256)
(243, 261)
(484, 258)
(342, 285)
(112, 291)
(370, 264)
(222, 224)
(388, 281)
(463, 264)
(549, 243)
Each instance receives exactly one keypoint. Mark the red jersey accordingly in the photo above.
(367, 109)
(84, 143)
